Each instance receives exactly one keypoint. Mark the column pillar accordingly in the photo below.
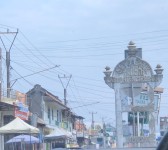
(118, 111)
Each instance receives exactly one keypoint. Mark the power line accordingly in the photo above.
(80, 98)
(36, 73)
(91, 55)
(85, 105)
(103, 37)
(21, 77)
(36, 49)
(30, 58)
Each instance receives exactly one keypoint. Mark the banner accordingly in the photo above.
(21, 111)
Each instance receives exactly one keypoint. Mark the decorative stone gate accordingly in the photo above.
(128, 80)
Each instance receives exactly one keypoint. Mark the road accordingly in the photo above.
(151, 148)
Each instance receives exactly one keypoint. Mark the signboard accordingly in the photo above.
(143, 100)
(93, 132)
(140, 100)
(79, 134)
(21, 111)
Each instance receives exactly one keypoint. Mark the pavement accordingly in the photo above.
(138, 148)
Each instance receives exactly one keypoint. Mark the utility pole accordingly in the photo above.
(8, 58)
(92, 125)
(0, 75)
(65, 86)
(8, 72)
(104, 133)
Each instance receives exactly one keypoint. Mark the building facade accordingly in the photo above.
(11, 107)
(163, 125)
(54, 115)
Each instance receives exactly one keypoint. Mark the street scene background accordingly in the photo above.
(69, 43)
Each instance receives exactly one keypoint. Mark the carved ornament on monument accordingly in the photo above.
(133, 70)
(140, 139)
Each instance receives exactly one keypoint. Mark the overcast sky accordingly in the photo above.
(82, 36)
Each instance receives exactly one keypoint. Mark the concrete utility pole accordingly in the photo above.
(0, 74)
(8, 58)
(92, 125)
(65, 86)
(104, 133)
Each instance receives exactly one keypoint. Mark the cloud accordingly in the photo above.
(84, 16)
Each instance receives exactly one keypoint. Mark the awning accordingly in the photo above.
(40, 121)
(4, 106)
(67, 133)
(18, 126)
(50, 127)
(59, 133)
(24, 138)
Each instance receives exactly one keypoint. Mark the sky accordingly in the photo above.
(82, 37)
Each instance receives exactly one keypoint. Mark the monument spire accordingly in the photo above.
(132, 50)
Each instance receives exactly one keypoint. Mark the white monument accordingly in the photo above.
(128, 79)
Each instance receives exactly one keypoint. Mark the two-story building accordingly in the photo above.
(81, 132)
(51, 112)
(9, 109)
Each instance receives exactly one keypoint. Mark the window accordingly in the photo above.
(162, 119)
(7, 119)
(48, 113)
(52, 114)
(60, 116)
(140, 96)
(144, 97)
(57, 115)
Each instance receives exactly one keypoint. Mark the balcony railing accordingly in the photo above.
(12, 94)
